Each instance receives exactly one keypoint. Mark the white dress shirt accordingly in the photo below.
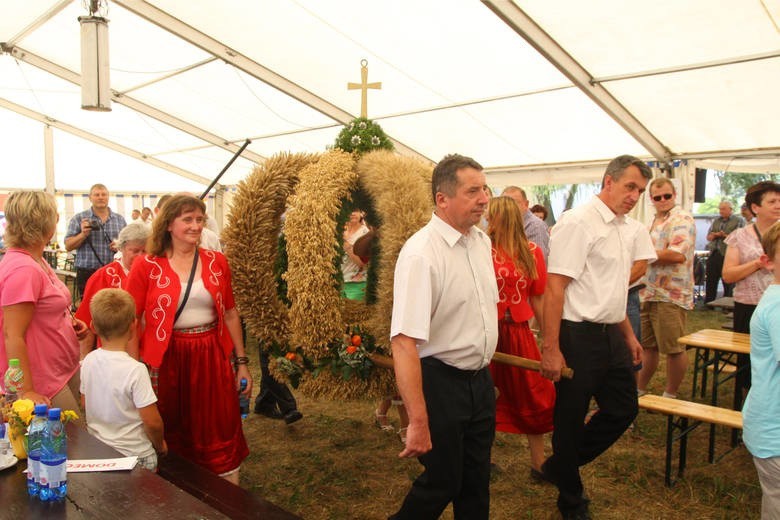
(596, 248)
(445, 295)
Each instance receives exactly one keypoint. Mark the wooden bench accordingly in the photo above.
(229, 499)
(679, 413)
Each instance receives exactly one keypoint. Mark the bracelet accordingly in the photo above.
(242, 360)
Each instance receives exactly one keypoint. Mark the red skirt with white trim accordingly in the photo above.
(526, 400)
(198, 402)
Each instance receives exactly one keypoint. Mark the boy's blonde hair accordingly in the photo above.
(770, 239)
(113, 312)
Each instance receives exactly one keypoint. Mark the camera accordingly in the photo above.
(95, 223)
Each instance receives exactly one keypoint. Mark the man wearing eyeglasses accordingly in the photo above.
(668, 293)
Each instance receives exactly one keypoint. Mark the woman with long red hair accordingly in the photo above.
(526, 400)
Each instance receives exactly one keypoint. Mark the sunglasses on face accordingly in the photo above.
(665, 196)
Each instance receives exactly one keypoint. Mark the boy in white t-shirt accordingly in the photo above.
(116, 391)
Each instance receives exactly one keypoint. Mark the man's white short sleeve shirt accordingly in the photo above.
(445, 295)
(596, 249)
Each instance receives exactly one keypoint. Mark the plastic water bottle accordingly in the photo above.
(13, 381)
(54, 459)
(34, 442)
(243, 399)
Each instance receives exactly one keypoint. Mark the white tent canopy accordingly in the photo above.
(538, 91)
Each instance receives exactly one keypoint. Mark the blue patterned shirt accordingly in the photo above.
(536, 231)
(100, 238)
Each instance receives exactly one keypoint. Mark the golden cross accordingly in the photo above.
(364, 85)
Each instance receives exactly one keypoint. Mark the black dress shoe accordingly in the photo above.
(271, 413)
(539, 478)
(292, 416)
(581, 514)
(544, 475)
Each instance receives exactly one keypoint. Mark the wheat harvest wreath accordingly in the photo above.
(283, 241)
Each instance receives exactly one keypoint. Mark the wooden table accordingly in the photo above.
(724, 346)
(724, 302)
(117, 494)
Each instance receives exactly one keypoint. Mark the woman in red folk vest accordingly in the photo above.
(526, 400)
(190, 334)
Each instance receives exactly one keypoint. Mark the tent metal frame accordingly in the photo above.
(506, 10)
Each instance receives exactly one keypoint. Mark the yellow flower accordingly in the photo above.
(23, 408)
(69, 415)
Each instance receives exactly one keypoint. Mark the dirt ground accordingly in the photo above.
(336, 464)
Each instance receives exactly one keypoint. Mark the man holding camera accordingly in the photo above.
(91, 233)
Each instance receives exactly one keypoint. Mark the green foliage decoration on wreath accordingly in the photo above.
(362, 135)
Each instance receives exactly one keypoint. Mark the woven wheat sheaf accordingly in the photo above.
(251, 236)
(311, 189)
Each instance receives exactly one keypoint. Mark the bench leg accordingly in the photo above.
(740, 382)
(700, 362)
(684, 428)
(669, 442)
(683, 446)
(705, 362)
(711, 451)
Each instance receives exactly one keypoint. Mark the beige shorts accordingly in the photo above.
(662, 325)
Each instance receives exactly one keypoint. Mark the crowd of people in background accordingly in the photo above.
(607, 295)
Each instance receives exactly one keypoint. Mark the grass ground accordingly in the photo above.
(335, 464)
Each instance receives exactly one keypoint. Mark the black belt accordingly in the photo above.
(454, 371)
(587, 325)
(636, 288)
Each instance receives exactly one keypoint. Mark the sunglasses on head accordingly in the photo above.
(665, 196)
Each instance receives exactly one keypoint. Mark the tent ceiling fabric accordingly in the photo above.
(193, 80)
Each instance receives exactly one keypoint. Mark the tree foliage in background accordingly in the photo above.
(733, 187)
(543, 195)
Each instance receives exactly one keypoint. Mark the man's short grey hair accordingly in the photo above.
(445, 174)
(134, 232)
(514, 189)
(727, 203)
(617, 167)
(97, 186)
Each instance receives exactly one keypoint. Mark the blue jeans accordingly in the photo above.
(632, 311)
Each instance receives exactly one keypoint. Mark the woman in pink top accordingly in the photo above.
(35, 306)
(742, 263)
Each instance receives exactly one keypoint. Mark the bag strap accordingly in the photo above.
(755, 228)
(189, 286)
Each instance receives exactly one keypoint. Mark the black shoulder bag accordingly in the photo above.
(189, 286)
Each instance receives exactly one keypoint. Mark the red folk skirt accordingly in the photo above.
(198, 402)
(526, 400)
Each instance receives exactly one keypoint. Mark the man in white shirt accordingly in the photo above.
(443, 334)
(592, 250)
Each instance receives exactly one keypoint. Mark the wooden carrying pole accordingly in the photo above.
(500, 357)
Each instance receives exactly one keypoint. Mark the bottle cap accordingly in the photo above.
(13, 362)
(54, 414)
(41, 409)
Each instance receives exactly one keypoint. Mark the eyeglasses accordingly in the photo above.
(665, 196)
